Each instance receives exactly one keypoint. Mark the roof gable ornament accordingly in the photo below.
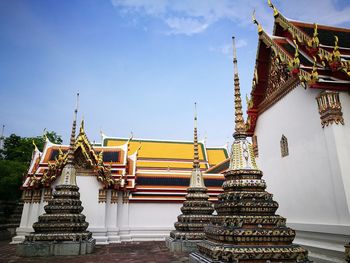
(260, 29)
(80, 154)
(275, 11)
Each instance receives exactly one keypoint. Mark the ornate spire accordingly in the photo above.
(70, 158)
(68, 176)
(239, 121)
(196, 175)
(195, 141)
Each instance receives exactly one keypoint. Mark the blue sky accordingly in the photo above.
(139, 65)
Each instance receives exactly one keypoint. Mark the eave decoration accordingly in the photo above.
(331, 60)
(84, 157)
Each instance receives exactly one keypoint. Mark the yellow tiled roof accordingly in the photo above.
(159, 149)
(216, 155)
(169, 154)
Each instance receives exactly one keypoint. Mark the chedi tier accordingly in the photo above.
(62, 229)
(246, 227)
(196, 210)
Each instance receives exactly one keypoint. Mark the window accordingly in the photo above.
(284, 146)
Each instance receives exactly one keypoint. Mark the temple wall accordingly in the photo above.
(111, 222)
(311, 184)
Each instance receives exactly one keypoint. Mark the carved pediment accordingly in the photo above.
(278, 76)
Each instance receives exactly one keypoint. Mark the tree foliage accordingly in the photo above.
(11, 176)
(14, 161)
(20, 149)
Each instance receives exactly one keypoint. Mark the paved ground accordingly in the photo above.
(128, 252)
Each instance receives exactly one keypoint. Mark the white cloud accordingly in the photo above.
(195, 16)
(191, 17)
(226, 49)
(323, 12)
(187, 26)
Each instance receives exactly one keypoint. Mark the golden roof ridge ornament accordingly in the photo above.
(275, 11)
(260, 29)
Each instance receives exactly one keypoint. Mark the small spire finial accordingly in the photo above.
(70, 157)
(195, 141)
(239, 121)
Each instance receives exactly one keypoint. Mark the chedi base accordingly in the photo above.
(65, 248)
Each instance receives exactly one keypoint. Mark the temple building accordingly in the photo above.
(298, 119)
(141, 175)
(246, 227)
(196, 210)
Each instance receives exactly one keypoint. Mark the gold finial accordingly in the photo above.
(260, 30)
(275, 11)
(315, 30)
(314, 73)
(336, 53)
(295, 63)
(82, 126)
(314, 42)
(239, 121)
(195, 141)
(100, 158)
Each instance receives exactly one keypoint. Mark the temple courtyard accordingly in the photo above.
(128, 252)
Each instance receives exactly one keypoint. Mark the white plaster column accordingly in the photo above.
(123, 219)
(112, 220)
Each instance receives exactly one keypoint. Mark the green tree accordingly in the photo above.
(20, 149)
(14, 161)
(11, 176)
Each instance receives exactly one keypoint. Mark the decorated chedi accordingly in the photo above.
(62, 229)
(196, 210)
(246, 227)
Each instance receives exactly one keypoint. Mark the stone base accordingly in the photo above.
(179, 245)
(199, 258)
(66, 248)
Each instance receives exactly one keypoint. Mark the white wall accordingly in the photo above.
(307, 183)
(111, 223)
(312, 184)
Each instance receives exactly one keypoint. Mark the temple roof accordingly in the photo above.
(315, 56)
(151, 170)
(169, 154)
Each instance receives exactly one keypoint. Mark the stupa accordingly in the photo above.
(246, 227)
(62, 229)
(196, 210)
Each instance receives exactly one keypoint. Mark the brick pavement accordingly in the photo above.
(126, 252)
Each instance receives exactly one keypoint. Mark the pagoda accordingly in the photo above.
(246, 227)
(196, 210)
(62, 229)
